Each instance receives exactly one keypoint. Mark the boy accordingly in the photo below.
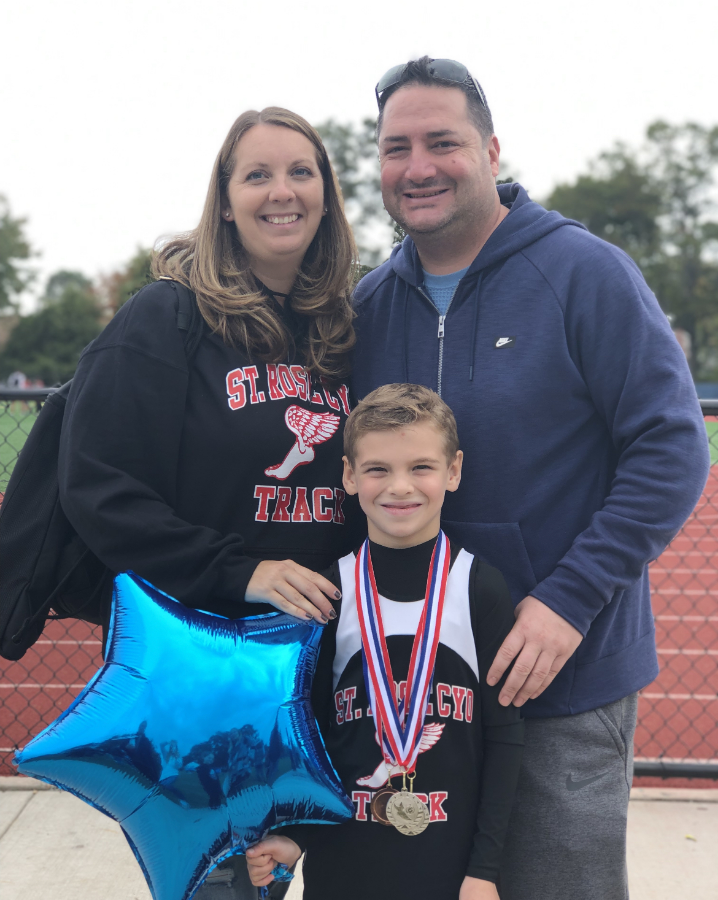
(432, 616)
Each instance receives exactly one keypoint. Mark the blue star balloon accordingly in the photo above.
(196, 735)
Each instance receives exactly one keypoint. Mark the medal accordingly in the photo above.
(399, 726)
(406, 812)
(379, 803)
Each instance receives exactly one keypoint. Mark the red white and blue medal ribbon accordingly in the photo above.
(400, 725)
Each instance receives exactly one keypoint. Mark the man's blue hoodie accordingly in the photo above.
(584, 444)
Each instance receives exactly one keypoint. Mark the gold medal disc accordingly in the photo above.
(407, 813)
(379, 802)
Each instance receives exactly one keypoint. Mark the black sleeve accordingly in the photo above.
(321, 698)
(324, 675)
(119, 460)
(502, 726)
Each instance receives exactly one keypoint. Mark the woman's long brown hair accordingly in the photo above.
(212, 262)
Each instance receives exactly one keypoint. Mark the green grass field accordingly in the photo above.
(712, 429)
(16, 420)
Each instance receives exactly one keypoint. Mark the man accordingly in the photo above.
(585, 450)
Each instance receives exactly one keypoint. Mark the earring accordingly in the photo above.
(227, 214)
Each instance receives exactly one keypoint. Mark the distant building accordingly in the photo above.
(17, 380)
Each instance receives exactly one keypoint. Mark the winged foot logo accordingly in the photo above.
(429, 736)
(310, 429)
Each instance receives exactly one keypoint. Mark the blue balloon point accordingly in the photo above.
(196, 735)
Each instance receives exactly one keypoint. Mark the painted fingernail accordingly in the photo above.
(308, 615)
(324, 619)
(332, 614)
(338, 595)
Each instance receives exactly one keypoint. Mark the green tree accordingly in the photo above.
(46, 345)
(15, 251)
(684, 161)
(119, 286)
(657, 203)
(58, 283)
(352, 150)
(618, 201)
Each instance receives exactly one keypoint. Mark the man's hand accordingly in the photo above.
(292, 589)
(265, 855)
(478, 889)
(541, 641)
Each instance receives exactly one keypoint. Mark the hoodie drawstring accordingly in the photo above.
(475, 326)
(404, 333)
(474, 329)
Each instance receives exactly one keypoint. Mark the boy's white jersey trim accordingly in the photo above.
(401, 617)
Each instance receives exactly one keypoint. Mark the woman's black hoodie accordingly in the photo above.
(190, 474)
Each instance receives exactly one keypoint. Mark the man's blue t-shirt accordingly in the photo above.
(441, 288)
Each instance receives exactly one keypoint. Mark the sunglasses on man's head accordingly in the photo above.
(447, 69)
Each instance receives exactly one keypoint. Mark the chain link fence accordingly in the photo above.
(677, 731)
(677, 734)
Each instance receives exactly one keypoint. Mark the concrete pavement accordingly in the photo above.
(673, 844)
(53, 845)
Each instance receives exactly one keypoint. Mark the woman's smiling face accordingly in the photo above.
(275, 195)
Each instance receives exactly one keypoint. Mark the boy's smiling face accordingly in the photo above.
(401, 476)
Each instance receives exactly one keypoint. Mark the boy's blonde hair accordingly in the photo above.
(396, 406)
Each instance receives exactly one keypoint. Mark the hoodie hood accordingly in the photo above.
(526, 223)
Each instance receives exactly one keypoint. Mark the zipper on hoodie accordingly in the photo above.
(442, 331)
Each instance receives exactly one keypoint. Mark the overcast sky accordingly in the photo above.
(112, 114)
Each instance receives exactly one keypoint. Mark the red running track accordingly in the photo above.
(678, 713)
(37, 688)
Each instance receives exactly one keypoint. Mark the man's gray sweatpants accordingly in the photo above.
(567, 834)
(229, 881)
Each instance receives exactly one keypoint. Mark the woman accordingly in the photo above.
(218, 478)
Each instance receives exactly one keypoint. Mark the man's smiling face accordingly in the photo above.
(436, 173)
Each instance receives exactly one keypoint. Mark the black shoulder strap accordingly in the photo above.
(189, 318)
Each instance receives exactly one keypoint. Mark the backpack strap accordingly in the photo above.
(189, 318)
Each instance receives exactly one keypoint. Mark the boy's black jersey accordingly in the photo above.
(470, 748)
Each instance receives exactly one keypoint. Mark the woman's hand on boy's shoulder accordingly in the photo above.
(293, 589)
(478, 889)
(265, 855)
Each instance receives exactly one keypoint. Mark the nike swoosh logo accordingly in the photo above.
(502, 341)
(572, 785)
